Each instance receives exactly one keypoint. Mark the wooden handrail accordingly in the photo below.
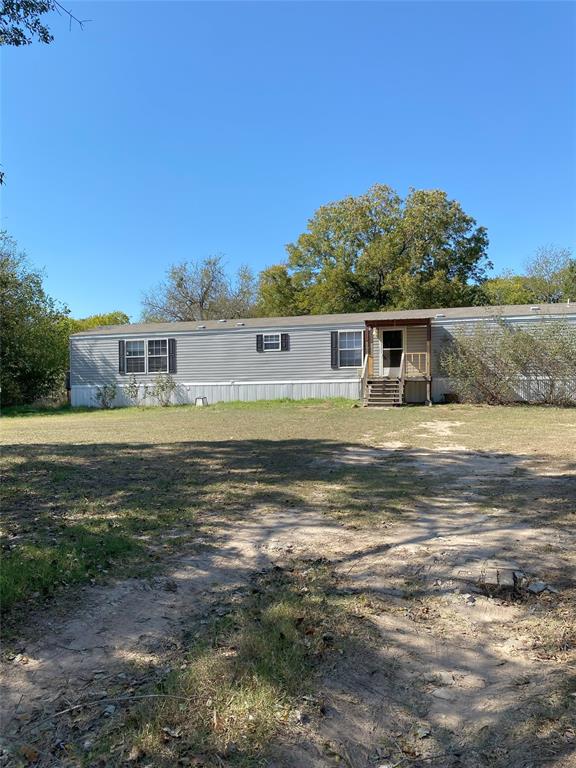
(419, 361)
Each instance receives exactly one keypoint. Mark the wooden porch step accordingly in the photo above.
(383, 384)
(384, 397)
(382, 392)
(389, 396)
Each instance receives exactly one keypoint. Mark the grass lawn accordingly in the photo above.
(92, 496)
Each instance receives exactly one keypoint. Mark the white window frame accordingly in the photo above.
(145, 372)
(352, 330)
(126, 358)
(166, 356)
(277, 336)
(404, 348)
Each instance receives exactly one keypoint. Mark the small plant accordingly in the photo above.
(105, 395)
(132, 391)
(163, 388)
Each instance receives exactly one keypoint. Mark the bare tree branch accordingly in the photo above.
(201, 290)
(60, 8)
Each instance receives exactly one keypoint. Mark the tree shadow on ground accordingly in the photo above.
(239, 475)
(498, 504)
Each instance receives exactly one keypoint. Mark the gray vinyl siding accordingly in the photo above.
(416, 338)
(214, 357)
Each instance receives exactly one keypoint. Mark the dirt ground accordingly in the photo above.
(461, 559)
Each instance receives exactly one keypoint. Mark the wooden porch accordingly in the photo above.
(389, 372)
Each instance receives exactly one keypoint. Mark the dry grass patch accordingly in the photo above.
(242, 682)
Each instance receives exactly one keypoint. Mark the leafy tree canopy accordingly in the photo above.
(35, 330)
(21, 22)
(379, 251)
(34, 353)
(550, 277)
(95, 321)
(277, 294)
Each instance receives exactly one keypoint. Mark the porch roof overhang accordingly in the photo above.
(398, 323)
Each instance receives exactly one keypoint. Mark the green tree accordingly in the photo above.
(276, 292)
(95, 321)
(34, 354)
(443, 260)
(549, 274)
(378, 251)
(550, 277)
(508, 288)
(569, 281)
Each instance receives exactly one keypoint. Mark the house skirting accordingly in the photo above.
(84, 395)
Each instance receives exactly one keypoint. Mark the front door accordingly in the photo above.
(392, 352)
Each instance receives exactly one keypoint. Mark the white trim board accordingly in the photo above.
(506, 318)
(356, 326)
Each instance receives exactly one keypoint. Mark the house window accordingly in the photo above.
(271, 342)
(135, 359)
(149, 356)
(157, 356)
(350, 347)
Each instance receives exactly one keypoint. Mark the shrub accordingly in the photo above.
(499, 363)
(105, 395)
(163, 388)
(132, 391)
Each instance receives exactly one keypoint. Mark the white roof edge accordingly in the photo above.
(319, 321)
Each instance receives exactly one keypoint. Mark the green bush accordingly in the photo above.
(163, 388)
(501, 363)
(105, 395)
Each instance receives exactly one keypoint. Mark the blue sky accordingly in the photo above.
(175, 130)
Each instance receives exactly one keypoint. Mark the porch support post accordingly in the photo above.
(368, 349)
(429, 363)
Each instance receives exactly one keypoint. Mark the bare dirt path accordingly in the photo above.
(139, 621)
(471, 666)
(467, 666)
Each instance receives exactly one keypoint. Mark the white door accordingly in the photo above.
(392, 352)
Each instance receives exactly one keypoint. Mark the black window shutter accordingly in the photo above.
(285, 342)
(171, 355)
(259, 342)
(334, 348)
(121, 356)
